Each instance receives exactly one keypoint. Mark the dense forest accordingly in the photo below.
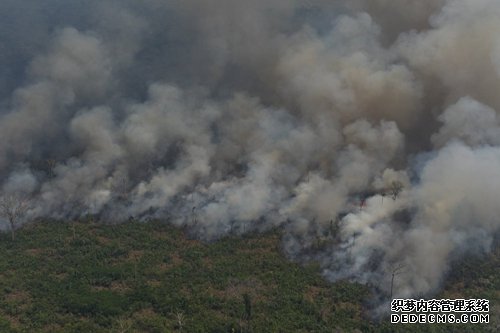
(151, 277)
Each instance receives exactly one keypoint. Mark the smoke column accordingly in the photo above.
(232, 116)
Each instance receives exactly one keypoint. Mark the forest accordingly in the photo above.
(151, 277)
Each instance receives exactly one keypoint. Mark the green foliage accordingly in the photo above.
(5, 325)
(87, 303)
(148, 277)
(248, 306)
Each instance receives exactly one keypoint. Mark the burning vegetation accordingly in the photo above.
(370, 135)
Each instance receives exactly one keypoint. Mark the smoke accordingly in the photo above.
(227, 117)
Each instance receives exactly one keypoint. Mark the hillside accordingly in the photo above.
(149, 277)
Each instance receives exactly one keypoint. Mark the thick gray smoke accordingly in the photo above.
(231, 116)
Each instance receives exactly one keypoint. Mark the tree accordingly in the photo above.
(120, 187)
(395, 189)
(396, 271)
(247, 300)
(179, 316)
(123, 325)
(248, 306)
(334, 227)
(50, 165)
(13, 208)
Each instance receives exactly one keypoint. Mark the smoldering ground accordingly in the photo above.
(236, 116)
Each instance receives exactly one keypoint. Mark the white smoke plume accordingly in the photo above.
(231, 116)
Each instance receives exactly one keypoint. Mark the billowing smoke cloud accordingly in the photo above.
(369, 134)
